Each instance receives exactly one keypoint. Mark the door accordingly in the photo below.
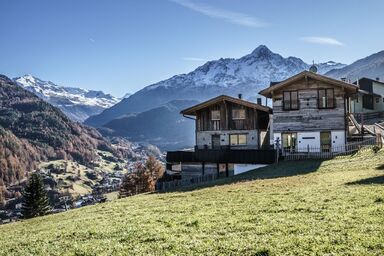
(325, 141)
(289, 141)
(216, 141)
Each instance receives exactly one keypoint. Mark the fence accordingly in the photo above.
(367, 116)
(330, 152)
(175, 184)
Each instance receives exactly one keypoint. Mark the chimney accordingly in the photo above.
(259, 101)
(377, 78)
(240, 96)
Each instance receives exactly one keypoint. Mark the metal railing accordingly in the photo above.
(327, 152)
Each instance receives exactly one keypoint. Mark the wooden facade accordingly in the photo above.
(254, 119)
(224, 122)
(309, 116)
(310, 111)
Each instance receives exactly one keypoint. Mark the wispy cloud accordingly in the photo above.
(322, 40)
(193, 59)
(92, 40)
(233, 17)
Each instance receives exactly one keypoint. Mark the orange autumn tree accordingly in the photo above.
(143, 179)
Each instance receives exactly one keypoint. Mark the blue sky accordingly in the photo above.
(120, 46)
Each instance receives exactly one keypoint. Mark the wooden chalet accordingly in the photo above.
(310, 111)
(229, 131)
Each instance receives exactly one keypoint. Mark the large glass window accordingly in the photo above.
(289, 141)
(326, 98)
(238, 139)
(325, 141)
(290, 100)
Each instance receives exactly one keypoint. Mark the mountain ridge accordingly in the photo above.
(245, 75)
(162, 126)
(371, 66)
(77, 103)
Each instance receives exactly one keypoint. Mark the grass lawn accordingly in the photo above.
(333, 207)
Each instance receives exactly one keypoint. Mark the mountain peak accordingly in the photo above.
(261, 50)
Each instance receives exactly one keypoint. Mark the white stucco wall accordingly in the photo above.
(241, 168)
(205, 137)
(378, 88)
(357, 104)
(312, 139)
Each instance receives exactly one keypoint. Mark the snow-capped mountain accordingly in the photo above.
(246, 75)
(77, 103)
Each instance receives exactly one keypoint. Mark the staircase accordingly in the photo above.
(367, 130)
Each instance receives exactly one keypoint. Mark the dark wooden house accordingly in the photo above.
(227, 122)
(229, 131)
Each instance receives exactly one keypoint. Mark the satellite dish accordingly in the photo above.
(313, 69)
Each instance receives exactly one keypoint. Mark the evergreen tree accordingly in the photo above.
(35, 200)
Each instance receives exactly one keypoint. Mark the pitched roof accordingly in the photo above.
(192, 110)
(369, 79)
(369, 93)
(307, 74)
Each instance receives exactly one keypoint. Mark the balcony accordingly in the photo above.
(223, 155)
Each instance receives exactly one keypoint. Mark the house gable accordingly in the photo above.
(308, 78)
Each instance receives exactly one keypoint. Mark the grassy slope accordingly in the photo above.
(335, 207)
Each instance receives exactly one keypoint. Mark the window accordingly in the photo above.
(215, 115)
(326, 98)
(289, 141)
(377, 99)
(367, 101)
(290, 100)
(238, 114)
(238, 139)
(215, 119)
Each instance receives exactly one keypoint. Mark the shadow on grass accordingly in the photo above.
(368, 181)
(283, 169)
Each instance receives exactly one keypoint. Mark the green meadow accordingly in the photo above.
(333, 207)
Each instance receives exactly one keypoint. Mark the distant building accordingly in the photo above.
(370, 97)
